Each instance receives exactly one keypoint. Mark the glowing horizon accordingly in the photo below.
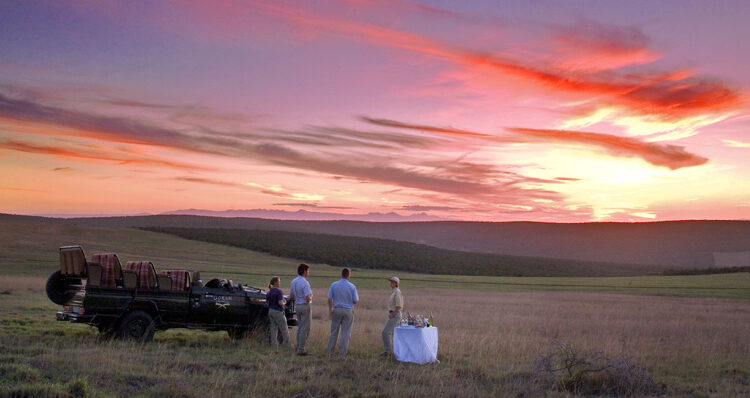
(485, 111)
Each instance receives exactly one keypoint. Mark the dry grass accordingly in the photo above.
(488, 345)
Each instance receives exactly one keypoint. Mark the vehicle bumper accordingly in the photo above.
(73, 317)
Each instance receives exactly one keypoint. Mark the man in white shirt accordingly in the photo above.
(301, 293)
(395, 305)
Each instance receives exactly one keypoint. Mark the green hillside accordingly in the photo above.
(669, 244)
(346, 251)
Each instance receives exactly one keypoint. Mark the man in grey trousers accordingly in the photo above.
(342, 297)
(301, 293)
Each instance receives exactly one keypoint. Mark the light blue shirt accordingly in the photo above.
(300, 287)
(343, 293)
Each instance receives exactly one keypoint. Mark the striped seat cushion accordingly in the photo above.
(111, 268)
(180, 278)
(146, 273)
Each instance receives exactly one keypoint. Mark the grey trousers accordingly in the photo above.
(304, 318)
(342, 318)
(387, 334)
(278, 323)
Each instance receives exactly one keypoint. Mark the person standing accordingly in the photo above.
(276, 317)
(342, 297)
(395, 305)
(301, 293)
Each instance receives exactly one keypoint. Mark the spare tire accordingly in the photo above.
(58, 288)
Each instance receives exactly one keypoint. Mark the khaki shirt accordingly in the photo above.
(396, 300)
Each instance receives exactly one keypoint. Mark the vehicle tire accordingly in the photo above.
(58, 288)
(137, 326)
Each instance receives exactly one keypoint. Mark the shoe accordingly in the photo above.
(302, 353)
(385, 354)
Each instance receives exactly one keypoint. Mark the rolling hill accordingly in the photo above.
(675, 244)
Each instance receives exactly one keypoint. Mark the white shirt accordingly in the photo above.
(300, 287)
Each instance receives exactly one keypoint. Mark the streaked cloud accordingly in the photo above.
(73, 153)
(671, 156)
(201, 180)
(428, 208)
(116, 129)
(670, 94)
(664, 155)
(736, 144)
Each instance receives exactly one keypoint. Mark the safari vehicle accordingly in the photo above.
(134, 302)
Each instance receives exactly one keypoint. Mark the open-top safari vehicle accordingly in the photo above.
(134, 302)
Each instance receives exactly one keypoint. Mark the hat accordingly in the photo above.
(394, 279)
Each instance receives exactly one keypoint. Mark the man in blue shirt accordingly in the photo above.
(301, 293)
(342, 297)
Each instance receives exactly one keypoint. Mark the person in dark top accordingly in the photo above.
(276, 317)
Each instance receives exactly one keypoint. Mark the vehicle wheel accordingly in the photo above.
(137, 326)
(58, 288)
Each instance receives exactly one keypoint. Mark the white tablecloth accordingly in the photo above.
(418, 345)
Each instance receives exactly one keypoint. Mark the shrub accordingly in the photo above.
(592, 373)
(79, 388)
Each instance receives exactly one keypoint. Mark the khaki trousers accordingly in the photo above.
(387, 334)
(342, 318)
(278, 323)
(304, 318)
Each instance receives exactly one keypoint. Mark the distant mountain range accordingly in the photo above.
(304, 215)
(677, 244)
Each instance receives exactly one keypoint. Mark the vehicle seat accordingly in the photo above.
(94, 274)
(180, 278)
(111, 269)
(165, 282)
(72, 261)
(146, 273)
(129, 279)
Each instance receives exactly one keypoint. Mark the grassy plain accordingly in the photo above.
(492, 330)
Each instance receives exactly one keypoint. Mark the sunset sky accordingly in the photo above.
(560, 111)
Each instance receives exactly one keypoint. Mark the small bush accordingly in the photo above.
(592, 373)
(79, 388)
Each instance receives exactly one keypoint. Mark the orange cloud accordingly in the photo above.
(670, 156)
(670, 95)
(84, 155)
